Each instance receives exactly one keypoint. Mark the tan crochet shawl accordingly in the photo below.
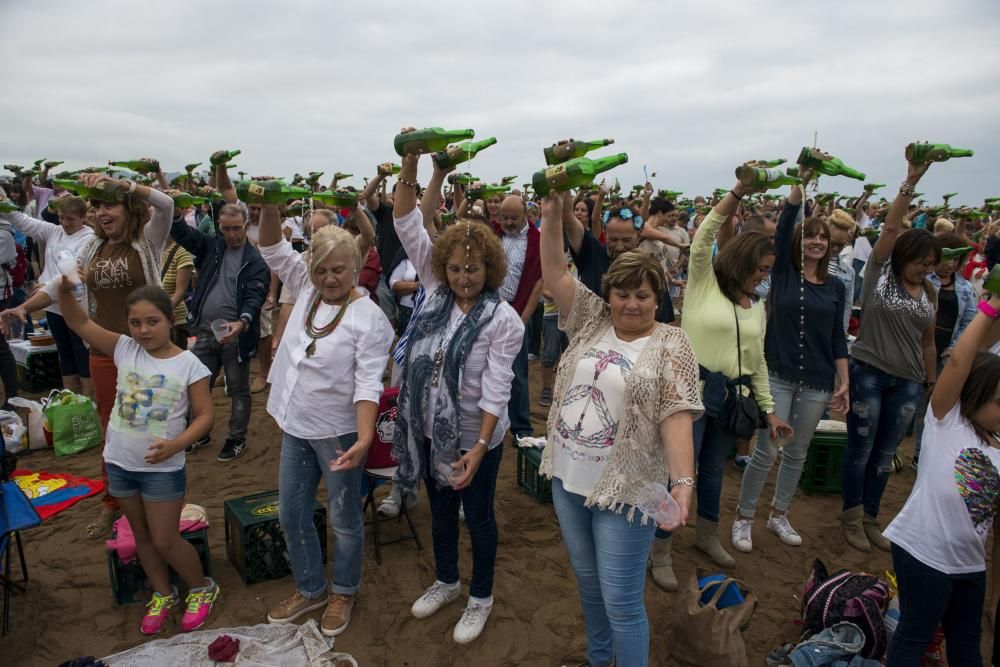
(664, 381)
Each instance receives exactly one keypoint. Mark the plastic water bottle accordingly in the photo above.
(68, 266)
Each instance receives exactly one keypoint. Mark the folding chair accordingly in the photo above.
(16, 514)
(381, 467)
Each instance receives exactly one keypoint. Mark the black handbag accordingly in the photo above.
(740, 412)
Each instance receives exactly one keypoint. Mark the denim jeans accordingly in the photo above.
(477, 501)
(928, 597)
(802, 408)
(882, 407)
(918, 428)
(303, 463)
(712, 444)
(214, 355)
(519, 409)
(608, 554)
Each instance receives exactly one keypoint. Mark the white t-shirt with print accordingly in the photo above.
(151, 402)
(946, 519)
(588, 423)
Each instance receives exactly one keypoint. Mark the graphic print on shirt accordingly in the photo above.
(145, 402)
(979, 485)
(111, 273)
(604, 434)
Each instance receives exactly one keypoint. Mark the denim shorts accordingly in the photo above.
(155, 487)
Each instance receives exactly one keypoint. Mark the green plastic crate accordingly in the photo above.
(821, 474)
(528, 461)
(127, 579)
(255, 542)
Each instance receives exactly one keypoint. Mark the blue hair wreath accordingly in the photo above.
(624, 214)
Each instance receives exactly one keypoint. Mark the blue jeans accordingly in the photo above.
(477, 502)
(882, 408)
(519, 409)
(303, 463)
(802, 408)
(928, 597)
(712, 444)
(608, 554)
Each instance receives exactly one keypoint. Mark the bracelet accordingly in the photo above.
(482, 442)
(412, 184)
(906, 189)
(989, 311)
(740, 197)
(686, 481)
(131, 187)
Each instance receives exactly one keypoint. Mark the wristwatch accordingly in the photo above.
(246, 320)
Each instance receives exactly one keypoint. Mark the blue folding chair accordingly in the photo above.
(16, 514)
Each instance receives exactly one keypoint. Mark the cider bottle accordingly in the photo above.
(268, 192)
(222, 157)
(184, 200)
(923, 152)
(428, 140)
(455, 155)
(484, 191)
(389, 168)
(572, 149)
(337, 198)
(575, 173)
(825, 163)
(142, 166)
(756, 177)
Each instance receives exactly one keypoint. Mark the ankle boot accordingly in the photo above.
(661, 564)
(707, 541)
(874, 534)
(854, 533)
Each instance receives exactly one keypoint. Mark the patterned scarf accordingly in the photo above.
(427, 332)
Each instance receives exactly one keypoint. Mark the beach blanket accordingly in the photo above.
(52, 492)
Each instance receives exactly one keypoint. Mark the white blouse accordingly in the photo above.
(314, 397)
(485, 382)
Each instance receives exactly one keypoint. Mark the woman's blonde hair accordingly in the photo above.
(943, 226)
(842, 220)
(328, 239)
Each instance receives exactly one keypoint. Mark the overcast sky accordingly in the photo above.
(688, 89)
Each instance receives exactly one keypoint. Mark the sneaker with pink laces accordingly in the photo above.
(199, 605)
(157, 610)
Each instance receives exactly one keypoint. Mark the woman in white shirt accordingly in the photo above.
(326, 380)
(404, 284)
(453, 399)
(939, 537)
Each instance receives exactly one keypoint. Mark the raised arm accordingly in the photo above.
(555, 276)
(597, 213)
(571, 226)
(368, 195)
(647, 194)
(429, 202)
(892, 227)
(222, 182)
(94, 335)
(956, 369)
(366, 239)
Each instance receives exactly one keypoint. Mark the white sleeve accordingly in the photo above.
(372, 357)
(415, 239)
(157, 230)
(498, 376)
(288, 264)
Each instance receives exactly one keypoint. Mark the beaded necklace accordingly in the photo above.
(324, 331)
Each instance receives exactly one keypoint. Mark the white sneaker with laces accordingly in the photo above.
(472, 623)
(435, 597)
(742, 535)
(389, 507)
(779, 526)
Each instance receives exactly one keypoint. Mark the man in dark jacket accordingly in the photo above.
(233, 281)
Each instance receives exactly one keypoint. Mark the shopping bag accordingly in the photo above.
(33, 419)
(703, 634)
(15, 435)
(73, 421)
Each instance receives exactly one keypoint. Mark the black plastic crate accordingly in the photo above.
(254, 540)
(41, 374)
(127, 579)
(528, 461)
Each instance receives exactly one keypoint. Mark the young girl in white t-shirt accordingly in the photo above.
(939, 537)
(145, 440)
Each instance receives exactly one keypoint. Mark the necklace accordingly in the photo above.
(439, 354)
(325, 331)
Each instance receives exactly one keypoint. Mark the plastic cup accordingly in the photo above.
(68, 266)
(443, 462)
(656, 502)
(15, 329)
(220, 328)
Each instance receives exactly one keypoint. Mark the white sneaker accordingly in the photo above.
(779, 526)
(461, 513)
(435, 597)
(472, 623)
(742, 538)
(389, 507)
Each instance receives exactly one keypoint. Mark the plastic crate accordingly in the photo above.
(821, 473)
(41, 374)
(528, 461)
(127, 579)
(255, 543)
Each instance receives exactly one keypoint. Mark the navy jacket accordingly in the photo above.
(252, 282)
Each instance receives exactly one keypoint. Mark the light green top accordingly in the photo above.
(710, 322)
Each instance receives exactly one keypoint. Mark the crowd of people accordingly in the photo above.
(671, 333)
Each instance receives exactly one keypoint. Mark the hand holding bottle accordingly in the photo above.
(915, 171)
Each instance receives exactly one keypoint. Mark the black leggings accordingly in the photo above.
(74, 357)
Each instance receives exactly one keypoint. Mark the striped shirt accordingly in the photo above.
(182, 259)
(515, 248)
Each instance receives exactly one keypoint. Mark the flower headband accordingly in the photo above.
(624, 214)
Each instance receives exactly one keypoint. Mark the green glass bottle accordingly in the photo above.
(508, 180)
(38, 163)
(428, 140)
(452, 156)
(180, 179)
(231, 165)
(447, 218)
(923, 152)
(872, 187)
(952, 253)
(462, 179)
(486, 191)
(52, 164)
(669, 194)
(268, 192)
(572, 149)
(314, 176)
(191, 167)
(393, 168)
(222, 157)
(184, 200)
(992, 282)
(792, 171)
(138, 166)
(337, 198)
(990, 200)
(756, 177)
(825, 163)
(767, 164)
(70, 184)
(576, 173)
(720, 192)
(341, 176)
(13, 168)
(7, 206)
(295, 210)
(773, 197)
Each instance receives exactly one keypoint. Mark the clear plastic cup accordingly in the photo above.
(220, 328)
(15, 329)
(68, 266)
(656, 502)
(443, 466)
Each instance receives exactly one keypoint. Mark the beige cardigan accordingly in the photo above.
(665, 381)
